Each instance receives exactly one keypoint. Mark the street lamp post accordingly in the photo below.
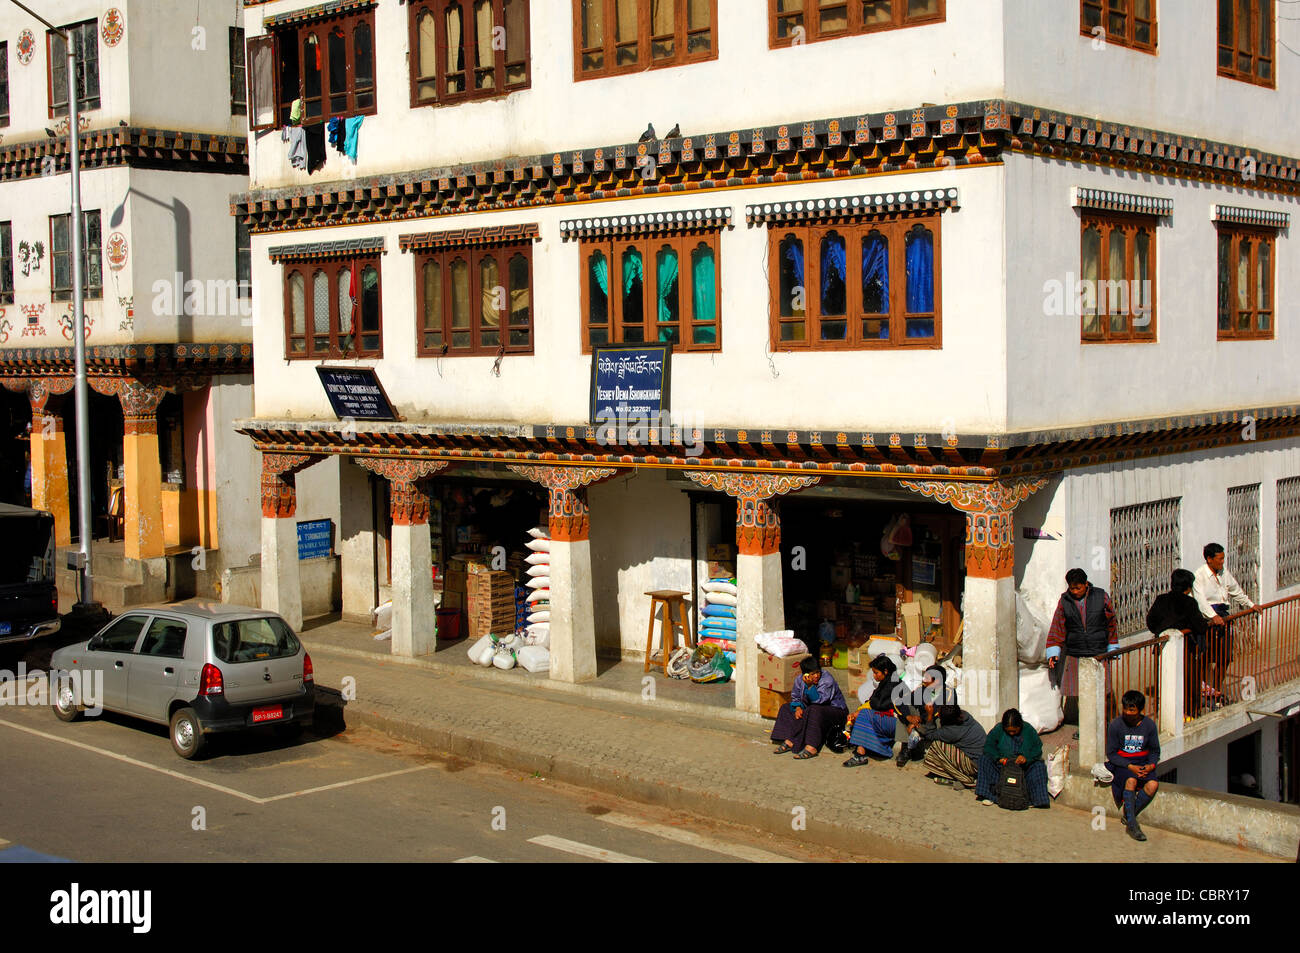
(79, 560)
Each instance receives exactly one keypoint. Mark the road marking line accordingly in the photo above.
(140, 764)
(473, 859)
(586, 850)
(344, 784)
(752, 854)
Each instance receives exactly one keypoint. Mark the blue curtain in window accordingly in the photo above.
(794, 254)
(875, 275)
(600, 268)
(833, 267)
(667, 265)
(920, 273)
(703, 293)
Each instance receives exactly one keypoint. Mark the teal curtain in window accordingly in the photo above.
(632, 269)
(702, 275)
(600, 268)
(667, 267)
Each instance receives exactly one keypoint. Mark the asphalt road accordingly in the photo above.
(109, 789)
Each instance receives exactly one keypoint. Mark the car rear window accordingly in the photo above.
(253, 640)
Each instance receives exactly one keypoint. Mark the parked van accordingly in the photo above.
(29, 600)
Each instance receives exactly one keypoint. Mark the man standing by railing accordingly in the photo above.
(1214, 590)
(1083, 626)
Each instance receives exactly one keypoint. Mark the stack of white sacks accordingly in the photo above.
(529, 647)
(718, 615)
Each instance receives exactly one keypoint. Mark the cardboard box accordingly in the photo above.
(723, 552)
(909, 620)
(454, 581)
(857, 678)
(721, 570)
(770, 702)
(452, 600)
(778, 674)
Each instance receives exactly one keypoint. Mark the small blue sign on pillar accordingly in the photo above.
(315, 538)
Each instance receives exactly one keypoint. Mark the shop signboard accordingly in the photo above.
(629, 384)
(355, 393)
(315, 538)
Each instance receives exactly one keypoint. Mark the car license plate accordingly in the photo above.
(268, 714)
(5, 628)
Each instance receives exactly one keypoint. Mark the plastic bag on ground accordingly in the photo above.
(1040, 703)
(384, 636)
(1057, 765)
(382, 615)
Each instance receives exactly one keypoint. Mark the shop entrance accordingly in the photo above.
(15, 439)
(107, 492)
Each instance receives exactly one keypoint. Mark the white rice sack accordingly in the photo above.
(1031, 633)
(539, 532)
(882, 645)
(720, 598)
(537, 595)
(1040, 703)
(482, 645)
(539, 582)
(539, 636)
(542, 616)
(538, 559)
(719, 587)
(382, 615)
(541, 569)
(539, 545)
(535, 658)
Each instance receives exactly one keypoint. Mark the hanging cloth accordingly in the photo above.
(352, 129)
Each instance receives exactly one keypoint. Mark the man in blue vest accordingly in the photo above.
(1083, 626)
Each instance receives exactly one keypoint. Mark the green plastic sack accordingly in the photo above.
(708, 664)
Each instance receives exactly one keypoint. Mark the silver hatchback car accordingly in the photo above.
(197, 667)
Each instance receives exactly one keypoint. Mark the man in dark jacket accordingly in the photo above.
(1083, 626)
(1177, 609)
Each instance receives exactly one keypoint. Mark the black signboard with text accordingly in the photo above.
(630, 382)
(355, 392)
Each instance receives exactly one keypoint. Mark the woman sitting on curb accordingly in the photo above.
(815, 710)
(1013, 742)
(874, 724)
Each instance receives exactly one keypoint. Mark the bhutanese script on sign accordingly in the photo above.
(629, 380)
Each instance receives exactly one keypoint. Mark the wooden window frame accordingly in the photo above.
(1235, 233)
(254, 47)
(332, 268)
(683, 243)
(4, 83)
(644, 40)
(1131, 225)
(1235, 50)
(298, 33)
(473, 256)
(6, 263)
(57, 98)
(894, 227)
(243, 259)
(1102, 14)
(238, 73)
(500, 88)
(90, 292)
(855, 27)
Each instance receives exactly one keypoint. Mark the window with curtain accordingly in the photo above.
(332, 309)
(1246, 42)
(328, 63)
(6, 263)
(666, 291)
(85, 43)
(868, 284)
(4, 84)
(474, 301)
(795, 22)
(1130, 23)
(467, 49)
(61, 257)
(627, 36)
(1118, 269)
(1245, 282)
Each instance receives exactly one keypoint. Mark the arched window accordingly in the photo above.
(919, 254)
(431, 324)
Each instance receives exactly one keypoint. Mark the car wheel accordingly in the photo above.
(186, 733)
(65, 701)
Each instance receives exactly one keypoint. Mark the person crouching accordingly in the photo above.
(816, 709)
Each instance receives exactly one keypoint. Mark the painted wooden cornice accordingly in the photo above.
(127, 146)
(143, 361)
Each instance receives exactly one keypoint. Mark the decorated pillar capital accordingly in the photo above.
(139, 401)
(279, 488)
(990, 524)
(569, 519)
(758, 519)
(408, 501)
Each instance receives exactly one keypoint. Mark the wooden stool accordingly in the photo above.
(668, 598)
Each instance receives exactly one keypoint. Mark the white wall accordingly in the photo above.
(1057, 381)
(238, 472)
(961, 384)
(1048, 63)
(748, 84)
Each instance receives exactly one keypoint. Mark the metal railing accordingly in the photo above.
(1258, 651)
(1137, 667)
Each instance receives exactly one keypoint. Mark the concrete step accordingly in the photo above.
(114, 594)
(109, 560)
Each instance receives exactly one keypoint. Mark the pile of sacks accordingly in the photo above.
(528, 647)
(718, 616)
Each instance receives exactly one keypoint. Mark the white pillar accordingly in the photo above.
(1172, 670)
(573, 629)
(357, 541)
(989, 659)
(414, 628)
(1270, 783)
(281, 581)
(1092, 712)
(760, 607)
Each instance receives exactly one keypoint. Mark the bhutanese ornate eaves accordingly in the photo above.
(651, 223)
(1264, 218)
(1107, 201)
(469, 237)
(319, 251)
(317, 12)
(850, 208)
(129, 146)
(143, 361)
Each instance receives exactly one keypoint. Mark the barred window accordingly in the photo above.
(1288, 532)
(1145, 547)
(61, 257)
(1243, 536)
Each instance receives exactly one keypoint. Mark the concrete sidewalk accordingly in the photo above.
(705, 758)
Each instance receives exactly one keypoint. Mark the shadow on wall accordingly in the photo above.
(183, 247)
